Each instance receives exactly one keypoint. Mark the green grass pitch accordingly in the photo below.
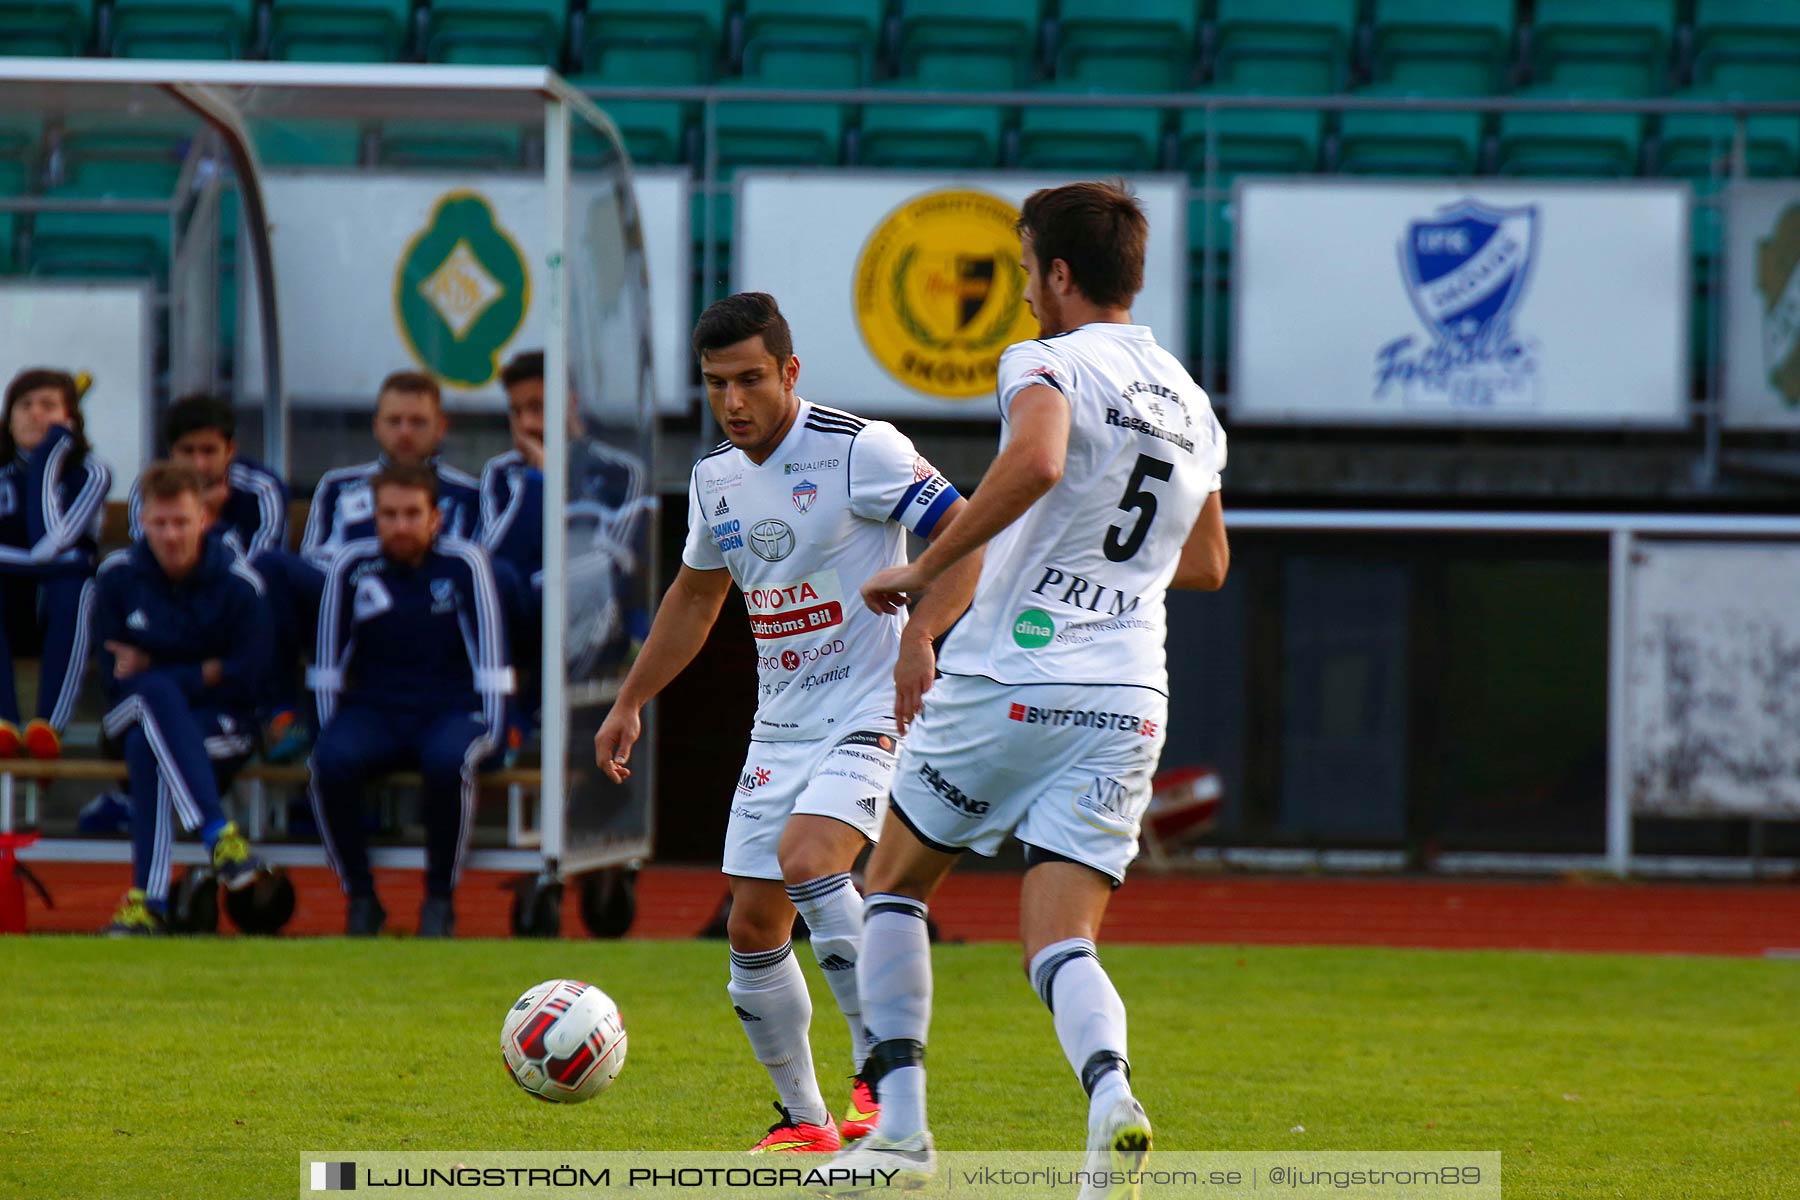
(138, 1069)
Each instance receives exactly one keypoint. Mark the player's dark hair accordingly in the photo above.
(164, 480)
(410, 476)
(523, 366)
(31, 380)
(196, 413)
(1098, 229)
(741, 317)
(413, 383)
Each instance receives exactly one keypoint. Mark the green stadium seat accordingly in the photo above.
(654, 131)
(1749, 48)
(104, 156)
(1252, 141)
(937, 135)
(943, 43)
(18, 151)
(451, 146)
(102, 163)
(1407, 141)
(351, 31)
(1300, 49)
(496, 32)
(755, 134)
(1620, 45)
(308, 143)
(1444, 49)
(812, 43)
(1089, 138)
(1569, 142)
(206, 29)
(1699, 145)
(46, 28)
(639, 42)
(1147, 46)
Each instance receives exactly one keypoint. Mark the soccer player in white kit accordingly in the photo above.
(797, 506)
(1050, 711)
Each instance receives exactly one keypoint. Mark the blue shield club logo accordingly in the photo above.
(1466, 268)
(805, 492)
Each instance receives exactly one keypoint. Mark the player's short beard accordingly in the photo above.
(1049, 312)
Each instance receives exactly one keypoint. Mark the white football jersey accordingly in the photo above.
(800, 534)
(1072, 592)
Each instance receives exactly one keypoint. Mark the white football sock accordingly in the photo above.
(895, 972)
(833, 909)
(769, 993)
(1089, 1017)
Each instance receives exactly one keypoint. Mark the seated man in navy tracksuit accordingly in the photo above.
(200, 432)
(410, 426)
(184, 631)
(412, 672)
(606, 507)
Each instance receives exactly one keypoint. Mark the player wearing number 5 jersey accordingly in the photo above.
(1050, 714)
(797, 506)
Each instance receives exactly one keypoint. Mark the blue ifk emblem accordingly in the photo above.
(805, 492)
(1466, 268)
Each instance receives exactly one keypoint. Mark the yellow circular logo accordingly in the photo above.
(940, 292)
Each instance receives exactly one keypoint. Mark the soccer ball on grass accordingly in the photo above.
(563, 1041)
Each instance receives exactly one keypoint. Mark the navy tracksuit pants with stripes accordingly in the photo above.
(53, 613)
(176, 754)
(447, 748)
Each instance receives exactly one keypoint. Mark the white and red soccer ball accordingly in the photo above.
(563, 1041)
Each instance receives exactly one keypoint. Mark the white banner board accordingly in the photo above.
(1762, 306)
(903, 288)
(105, 330)
(1712, 699)
(1460, 303)
(385, 271)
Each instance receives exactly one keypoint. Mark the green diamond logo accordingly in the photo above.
(461, 291)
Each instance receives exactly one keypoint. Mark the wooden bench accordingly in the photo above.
(256, 777)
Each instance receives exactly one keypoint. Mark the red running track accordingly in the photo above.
(675, 901)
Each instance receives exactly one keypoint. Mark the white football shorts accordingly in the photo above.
(1064, 767)
(845, 776)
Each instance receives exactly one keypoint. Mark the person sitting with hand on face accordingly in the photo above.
(52, 495)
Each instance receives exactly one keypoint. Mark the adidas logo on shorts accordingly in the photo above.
(867, 804)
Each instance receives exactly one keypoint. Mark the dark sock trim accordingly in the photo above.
(1045, 975)
(891, 1055)
(1098, 1065)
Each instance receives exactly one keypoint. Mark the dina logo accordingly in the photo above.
(461, 291)
(1033, 629)
(1465, 271)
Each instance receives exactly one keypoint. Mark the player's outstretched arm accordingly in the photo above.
(915, 670)
(683, 620)
(1030, 466)
(1206, 555)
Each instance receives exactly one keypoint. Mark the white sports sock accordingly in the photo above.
(769, 993)
(1089, 1017)
(895, 973)
(833, 909)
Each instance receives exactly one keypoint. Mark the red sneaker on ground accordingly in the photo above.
(788, 1136)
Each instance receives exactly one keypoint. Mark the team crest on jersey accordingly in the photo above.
(805, 492)
(443, 596)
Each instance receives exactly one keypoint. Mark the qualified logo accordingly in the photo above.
(461, 291)
(939, 292)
